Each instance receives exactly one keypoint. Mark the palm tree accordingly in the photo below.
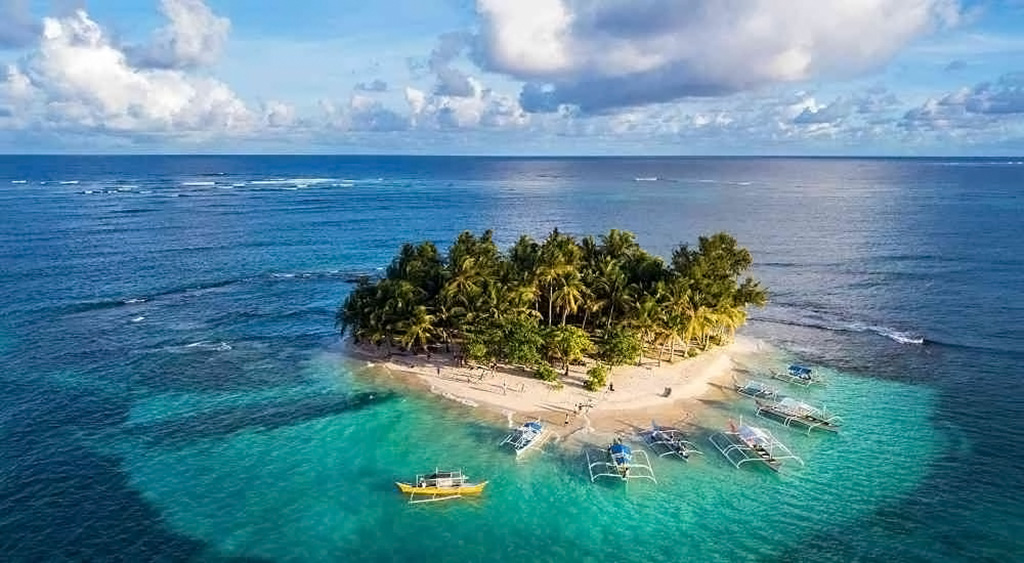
(418, 329)
(569, 296)
(647, 320)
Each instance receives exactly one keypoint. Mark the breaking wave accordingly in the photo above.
(900, 336)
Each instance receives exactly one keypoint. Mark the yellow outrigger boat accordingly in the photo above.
(440, 485)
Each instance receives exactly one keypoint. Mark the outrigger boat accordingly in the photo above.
(527, 436)
(791, 412)
(620, 462)
(756, 390)
(800, 375)
(666, 440)
(751, 444)
(440, 485)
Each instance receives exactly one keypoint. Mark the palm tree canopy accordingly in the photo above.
(496, 301)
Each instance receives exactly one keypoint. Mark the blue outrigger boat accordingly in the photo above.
(797, 374)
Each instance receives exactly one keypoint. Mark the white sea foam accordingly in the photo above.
(199, 183)
(69, 182)
(345, 184)
(134, 300)
(138, 319)
(271, 182)
(212, 346)
(19, 181)
(901, 337)
(646, 179)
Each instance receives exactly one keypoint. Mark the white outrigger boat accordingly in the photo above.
(666, 440)
(530, 435)
(756, 390)
(791, 412)
(621, 463)
(797, 374)
(751, 444)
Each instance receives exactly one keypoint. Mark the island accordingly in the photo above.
(566, 326)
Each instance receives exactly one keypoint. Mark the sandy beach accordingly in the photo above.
(668, 393)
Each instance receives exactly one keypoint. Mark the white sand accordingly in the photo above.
(638, 396)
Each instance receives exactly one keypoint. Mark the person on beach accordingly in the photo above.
(439, 371)
(566, 419)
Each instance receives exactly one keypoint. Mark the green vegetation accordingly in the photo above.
(552, 303)
(597, 377)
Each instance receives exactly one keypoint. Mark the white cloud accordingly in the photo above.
(78, 79)
(602, 54)
(194, 36)
(482, 107)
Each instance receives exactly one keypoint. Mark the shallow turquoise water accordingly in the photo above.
(323, 488)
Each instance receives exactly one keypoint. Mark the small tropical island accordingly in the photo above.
(556, 325)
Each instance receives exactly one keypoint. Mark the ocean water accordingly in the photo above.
(173, 388)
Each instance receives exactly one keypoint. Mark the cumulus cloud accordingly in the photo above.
(17, 28)
(482, 107)
(78, 79)
(985, 106)
(194, 36)
(451, 81)
(606, 54)
(361, 113)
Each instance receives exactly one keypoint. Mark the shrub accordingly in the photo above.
(597, 377)
(546, 373)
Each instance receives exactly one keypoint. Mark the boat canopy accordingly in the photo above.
(800, 407)
(800, 371)
(534, 425)
(621, 453)
(752, 436)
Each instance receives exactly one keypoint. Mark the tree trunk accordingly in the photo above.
(586, 314)
(672, 350)
(551, 300)
(565, 313)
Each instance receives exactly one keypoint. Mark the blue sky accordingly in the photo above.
(858, 77)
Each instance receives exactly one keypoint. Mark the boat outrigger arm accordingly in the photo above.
(666, 441)
(528, 436)
(756, 390)
(791, 412)
(765, 447)
(636, 469)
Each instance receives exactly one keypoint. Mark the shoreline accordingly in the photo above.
(513, 394)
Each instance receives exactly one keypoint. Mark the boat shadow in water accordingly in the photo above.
(263, 416)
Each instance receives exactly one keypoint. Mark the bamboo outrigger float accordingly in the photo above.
(440, 485)
(668, 441)
(791, 412)
(620, 463)
(751, 444)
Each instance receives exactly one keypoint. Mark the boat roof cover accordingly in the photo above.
(533, 425)
(754, 435)
(795, 405)
(796, 369)
(621, 452)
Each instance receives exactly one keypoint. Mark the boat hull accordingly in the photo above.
(474, 489)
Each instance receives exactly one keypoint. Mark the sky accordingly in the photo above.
(530, 77)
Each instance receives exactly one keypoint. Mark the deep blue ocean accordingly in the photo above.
(172, 387)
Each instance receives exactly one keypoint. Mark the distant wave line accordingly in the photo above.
(901, 337)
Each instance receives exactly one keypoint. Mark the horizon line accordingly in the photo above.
(517, 156)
